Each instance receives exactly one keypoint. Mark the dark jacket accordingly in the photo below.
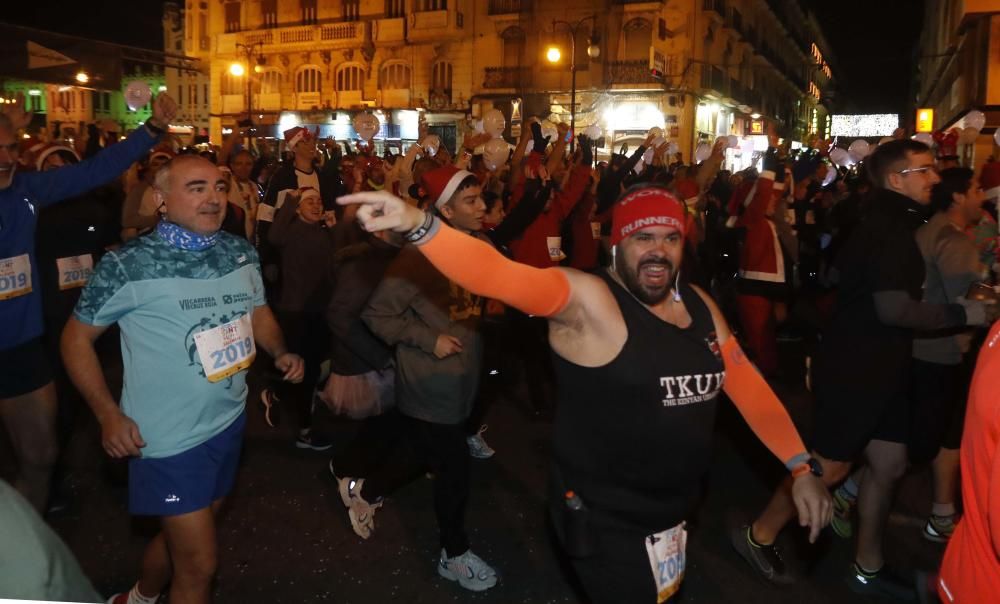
(357, 271)
(411, 307)
(306, 252)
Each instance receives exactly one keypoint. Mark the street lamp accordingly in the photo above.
(554, 55)
(249, 53)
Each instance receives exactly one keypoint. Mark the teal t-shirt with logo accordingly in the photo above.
(184, 318)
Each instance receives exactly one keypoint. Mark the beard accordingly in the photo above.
(647, 294)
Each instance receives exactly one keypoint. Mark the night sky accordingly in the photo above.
(872, 40)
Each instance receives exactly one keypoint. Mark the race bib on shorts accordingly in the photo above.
(265, 213)
(226, 349)
(15, 276)
(74, 270)
(666, 551)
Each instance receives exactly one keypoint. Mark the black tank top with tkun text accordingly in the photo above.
(633, 438)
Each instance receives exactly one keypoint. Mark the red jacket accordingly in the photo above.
(760, 257)
(583, 256)
(533, 246)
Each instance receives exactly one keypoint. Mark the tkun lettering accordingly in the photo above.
(686, 389)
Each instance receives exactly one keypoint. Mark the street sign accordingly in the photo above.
(657, 63)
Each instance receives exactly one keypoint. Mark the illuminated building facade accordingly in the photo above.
(441, 62)
(959, 69)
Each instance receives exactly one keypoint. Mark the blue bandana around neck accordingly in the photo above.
(179, 237)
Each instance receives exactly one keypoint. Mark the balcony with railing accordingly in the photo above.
(508, 7)
(713, 78)
(305, 37)
(630, 73)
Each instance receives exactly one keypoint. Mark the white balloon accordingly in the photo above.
(734, 141)
(494, 122)
(830, 175)
(593, 132)
(859, 149)
(495, 153)
(925, 138)
(366, 125)
(137, 94)
(840, 157)
(431, 144)
(968, 136)
(702, 152)
(996, 136)
(656, 131)
(975, 119)
(478, 126)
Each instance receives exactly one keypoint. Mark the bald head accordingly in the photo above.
(191, 192)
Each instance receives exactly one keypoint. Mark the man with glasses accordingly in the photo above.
(862, 369)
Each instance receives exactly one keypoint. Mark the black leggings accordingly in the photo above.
(306, 335)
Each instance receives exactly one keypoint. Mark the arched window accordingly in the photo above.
(441, 76)
(513, 46)
(395, 76)
(350, 77)
(308, 79)
(638, 39)
(270, 81)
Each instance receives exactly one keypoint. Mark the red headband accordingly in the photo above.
(643, 208)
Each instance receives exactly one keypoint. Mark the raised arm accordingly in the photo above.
(70, 181)
(473, 264)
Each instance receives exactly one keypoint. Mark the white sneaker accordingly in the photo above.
(477, 444)
(469, 570)
(361, 513)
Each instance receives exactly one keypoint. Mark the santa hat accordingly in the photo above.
(296, 135)
(687, 190)
(643, 208)
(989, 180)
(441, 183)
(947, 144)
(46, 150)
(307, 192)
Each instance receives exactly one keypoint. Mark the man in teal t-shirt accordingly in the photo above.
(190, 304)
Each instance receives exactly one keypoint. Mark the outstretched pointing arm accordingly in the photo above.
(471, 263)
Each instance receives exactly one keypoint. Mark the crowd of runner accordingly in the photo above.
(630, 296)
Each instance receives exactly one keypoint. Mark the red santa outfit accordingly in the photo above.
(762, 272)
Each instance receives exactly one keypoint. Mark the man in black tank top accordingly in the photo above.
(640, 359)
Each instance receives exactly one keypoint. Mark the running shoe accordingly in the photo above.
(477, 444)
(311, 440)
(764, 559)
(469, 570)
(843, 508)
(881, 583)
(360, 512)
(272, 410)
(939, 528)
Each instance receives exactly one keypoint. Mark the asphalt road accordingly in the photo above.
(285, 536)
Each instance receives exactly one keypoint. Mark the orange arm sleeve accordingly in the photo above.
(482, 270)
(760, 407)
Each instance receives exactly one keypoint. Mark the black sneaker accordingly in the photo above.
(312, 440)
(882, 583)
(272, 407)
(764, 559)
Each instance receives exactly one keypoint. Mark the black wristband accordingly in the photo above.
(423, 230)
(156, 130)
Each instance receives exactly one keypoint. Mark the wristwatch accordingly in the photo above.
(810, 466)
